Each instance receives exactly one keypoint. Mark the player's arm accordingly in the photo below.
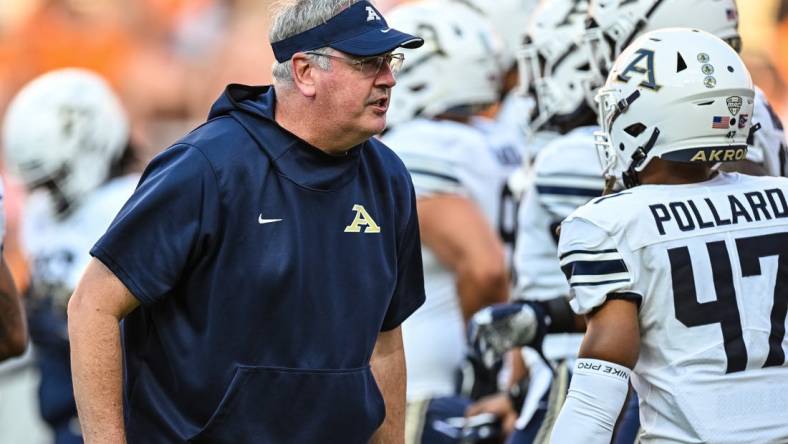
(600, 381)
(601, 288)
(388, 367)
(13, 328)
(456, 231)
(505, 405)
(99, 302)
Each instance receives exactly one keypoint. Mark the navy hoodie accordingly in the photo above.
(265, 269)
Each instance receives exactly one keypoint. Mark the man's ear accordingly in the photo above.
(303, 74)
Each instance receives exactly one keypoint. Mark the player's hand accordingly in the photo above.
(496, 329)
(499, 405)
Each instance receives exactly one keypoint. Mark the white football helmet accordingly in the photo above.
(614, 24)
(510, 18)
(679, 94)
(551, 64)
(63, 131)
(458, 66)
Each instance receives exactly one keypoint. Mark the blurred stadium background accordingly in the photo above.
(169, 59)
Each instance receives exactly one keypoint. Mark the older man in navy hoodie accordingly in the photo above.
(265, 262)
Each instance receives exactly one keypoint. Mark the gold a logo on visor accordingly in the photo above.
(372, 14)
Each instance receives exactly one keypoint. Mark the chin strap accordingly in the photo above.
(622, 106)
(630, 177)
(751, 135)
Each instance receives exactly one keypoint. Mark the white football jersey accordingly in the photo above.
(708, 265)
(58, 249)
(566, 175)
(769, 146)
(513, 113)
(471, 161)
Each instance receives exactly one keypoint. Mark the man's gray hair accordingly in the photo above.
(293, 17)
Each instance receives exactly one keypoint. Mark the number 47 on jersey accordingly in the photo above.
(724, 310)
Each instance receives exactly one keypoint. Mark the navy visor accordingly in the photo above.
(359, 30)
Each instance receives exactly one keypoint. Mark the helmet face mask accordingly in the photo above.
(598, 48)
(678, 94)
(530, 66)
(62, 133)
(551, 63)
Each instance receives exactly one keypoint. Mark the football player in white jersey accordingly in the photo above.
(682, 276)
(459, 161)
(564, 180)
(67, 138)
(564, 176)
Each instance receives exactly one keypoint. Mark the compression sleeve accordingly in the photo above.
(596, 395)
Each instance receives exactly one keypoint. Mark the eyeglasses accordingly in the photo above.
(369, 66)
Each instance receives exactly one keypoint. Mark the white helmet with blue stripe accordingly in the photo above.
(679, 94)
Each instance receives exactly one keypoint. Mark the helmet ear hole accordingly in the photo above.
(635, 129)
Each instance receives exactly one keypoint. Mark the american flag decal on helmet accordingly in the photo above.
(721, 122)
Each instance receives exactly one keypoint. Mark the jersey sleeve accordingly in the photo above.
(567, 174)
(433, 174)
(429, 152)
(594, 266)
(535, 261)
(166, 225)
(409, 294)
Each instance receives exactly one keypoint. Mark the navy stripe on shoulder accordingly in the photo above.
(585, 284)
(609, 250)
(568, 191)
(594, 268)
(434, 174)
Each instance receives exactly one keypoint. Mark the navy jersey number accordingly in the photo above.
(507, 216)
(724, 310)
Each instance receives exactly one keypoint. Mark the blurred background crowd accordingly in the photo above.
(168, 60)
